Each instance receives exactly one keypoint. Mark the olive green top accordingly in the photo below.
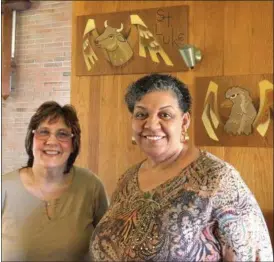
(28, 234)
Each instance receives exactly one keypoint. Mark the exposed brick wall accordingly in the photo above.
(43, 59)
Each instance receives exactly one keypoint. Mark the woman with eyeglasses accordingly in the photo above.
(50, 207)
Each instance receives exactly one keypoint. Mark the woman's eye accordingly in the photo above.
(165, 115)
(63, 134)
(43, 132)
(139, 115)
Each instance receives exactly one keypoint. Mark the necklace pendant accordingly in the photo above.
(147, 195)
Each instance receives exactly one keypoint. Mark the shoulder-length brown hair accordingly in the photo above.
(51, 110)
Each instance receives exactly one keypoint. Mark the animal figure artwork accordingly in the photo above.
(244, 118)
(117, 46)
(243, 112)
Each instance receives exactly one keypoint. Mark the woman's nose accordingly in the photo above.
(152, 123)
(52, 139)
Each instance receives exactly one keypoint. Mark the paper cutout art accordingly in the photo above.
(117, 49)
(242, 112)
(140, 41)
(234, 115)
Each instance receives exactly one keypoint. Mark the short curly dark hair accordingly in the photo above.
(158, 82)
(52, 110)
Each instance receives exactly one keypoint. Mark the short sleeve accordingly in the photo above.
(241, 230)
(101, 203)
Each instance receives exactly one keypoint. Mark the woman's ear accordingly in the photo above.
(186, 121)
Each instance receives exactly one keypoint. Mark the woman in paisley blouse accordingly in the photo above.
(180, 203)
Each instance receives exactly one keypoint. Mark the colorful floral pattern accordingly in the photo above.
(206, 213)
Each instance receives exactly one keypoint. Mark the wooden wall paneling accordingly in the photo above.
(243, 21)
(127, 153)
(206, 32)
(196, 37)
(237, 59)
(81, 100)
(213, 38)
(135, 5)
(188, 79)
(85, 93)
(240, 157)
(237, 36)
(263, 184)
(261, 43)
(263, 177)
(210, 32)
(93, 123)
(108, 130)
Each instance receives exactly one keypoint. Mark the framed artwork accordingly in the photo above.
(234, 111)
(132, 42)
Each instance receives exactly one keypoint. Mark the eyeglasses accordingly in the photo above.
(44, 134)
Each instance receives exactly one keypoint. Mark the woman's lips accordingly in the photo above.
(154, 138)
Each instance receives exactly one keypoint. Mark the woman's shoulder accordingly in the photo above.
(130, 171)
(12, 176)
(212, 164)
(207, 173)
(11, 183)
(85, 175)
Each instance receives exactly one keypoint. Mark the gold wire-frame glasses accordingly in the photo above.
(44, 134)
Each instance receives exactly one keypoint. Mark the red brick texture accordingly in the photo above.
(43, 60)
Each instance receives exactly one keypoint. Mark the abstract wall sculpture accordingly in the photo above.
(234, 111)
(140, 41)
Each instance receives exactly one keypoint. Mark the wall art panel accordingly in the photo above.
(234, 111)
(140, 41)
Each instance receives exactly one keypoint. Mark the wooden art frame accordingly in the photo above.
(234, 111)
(132, 42)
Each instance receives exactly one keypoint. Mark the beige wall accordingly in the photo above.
(236, 38)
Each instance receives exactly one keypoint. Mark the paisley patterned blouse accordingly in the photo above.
(206, 213)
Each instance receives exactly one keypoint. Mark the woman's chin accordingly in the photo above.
(154, 153)
(52, 165)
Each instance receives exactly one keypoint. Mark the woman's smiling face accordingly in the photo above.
(157, 124)
(51, 152)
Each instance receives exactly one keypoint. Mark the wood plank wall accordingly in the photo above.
(236, 38)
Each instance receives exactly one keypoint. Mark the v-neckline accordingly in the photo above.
(159, 188)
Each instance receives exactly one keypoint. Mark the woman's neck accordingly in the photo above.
(47, 176)
(163, 163)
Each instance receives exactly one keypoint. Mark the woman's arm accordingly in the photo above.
(101, 203)
(242, 231)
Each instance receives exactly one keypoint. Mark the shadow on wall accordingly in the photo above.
(268, 215)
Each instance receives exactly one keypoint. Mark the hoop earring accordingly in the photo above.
(184, 137)
(133, 141)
